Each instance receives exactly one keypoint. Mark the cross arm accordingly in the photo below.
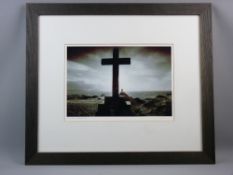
(108, 61)
(124, 61)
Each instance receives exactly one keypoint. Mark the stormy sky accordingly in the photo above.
(150, 69)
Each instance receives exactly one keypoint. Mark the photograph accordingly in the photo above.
(119, 81)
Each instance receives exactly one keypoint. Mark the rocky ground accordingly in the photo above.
(161, 105)
(83, 105)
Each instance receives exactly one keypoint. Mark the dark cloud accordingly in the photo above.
(161, 50)
(80, 52)
(74, 52)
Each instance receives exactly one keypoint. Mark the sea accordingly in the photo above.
(134, 94)
(147, 94)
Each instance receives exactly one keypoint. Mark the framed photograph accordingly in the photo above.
(119, 84)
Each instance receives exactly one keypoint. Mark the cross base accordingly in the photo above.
(114, 106)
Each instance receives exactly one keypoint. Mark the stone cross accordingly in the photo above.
(115, 62)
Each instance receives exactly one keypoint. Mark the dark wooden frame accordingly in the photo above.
(206, 156)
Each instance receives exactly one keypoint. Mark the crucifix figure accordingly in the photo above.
(115, 62)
